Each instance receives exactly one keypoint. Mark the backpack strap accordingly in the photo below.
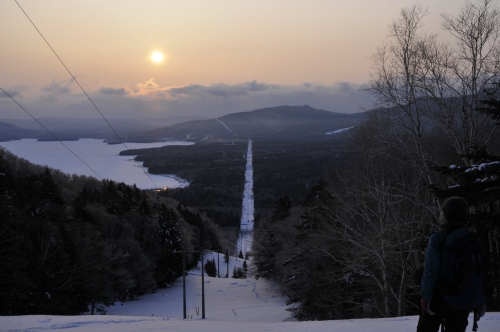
(445, 232)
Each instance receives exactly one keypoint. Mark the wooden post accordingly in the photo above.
(202, 287)
(184, 282)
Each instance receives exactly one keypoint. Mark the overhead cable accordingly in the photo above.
(83, 90)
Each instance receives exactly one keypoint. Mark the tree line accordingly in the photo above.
(352, 248)
(73, 244)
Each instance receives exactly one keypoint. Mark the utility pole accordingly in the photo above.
(184, 282)
(227, 263)
(202, 286)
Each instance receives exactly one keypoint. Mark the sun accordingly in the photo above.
(157, 57)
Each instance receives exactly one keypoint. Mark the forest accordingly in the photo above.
(351, 249)
(216, 175)
(73, 244)
(215, 171)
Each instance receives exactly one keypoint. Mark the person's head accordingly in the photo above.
(455, 211)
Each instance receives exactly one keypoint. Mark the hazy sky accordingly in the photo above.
(220, 56)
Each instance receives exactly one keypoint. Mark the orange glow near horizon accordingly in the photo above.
(208, 42)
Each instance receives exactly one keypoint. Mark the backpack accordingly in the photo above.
(463, 274)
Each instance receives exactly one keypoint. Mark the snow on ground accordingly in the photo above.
(338, 130)
(245, 238)
(226, 299)
(247, 213)
(222, 123)
(241, 305)
(489, 323)
(101, 157)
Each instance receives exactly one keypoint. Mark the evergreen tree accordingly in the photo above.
(281, 209)
(226, 260)
(245, 269)
(238, 273)
(266, 240)
(168, 263)
(144, 208)
(211, 268)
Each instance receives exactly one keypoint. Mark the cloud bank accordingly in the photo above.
(149, 100)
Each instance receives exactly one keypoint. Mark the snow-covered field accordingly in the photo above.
(232, 305)
(101, 157)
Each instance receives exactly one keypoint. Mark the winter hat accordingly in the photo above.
(456, 210)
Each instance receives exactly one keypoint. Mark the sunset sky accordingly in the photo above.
(219, 56)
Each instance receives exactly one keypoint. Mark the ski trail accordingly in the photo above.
(247, 211)
(222, 123)
(339, 130)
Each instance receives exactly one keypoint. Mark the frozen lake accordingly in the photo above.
(104, 159)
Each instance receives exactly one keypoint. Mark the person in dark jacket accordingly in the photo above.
(435, 310)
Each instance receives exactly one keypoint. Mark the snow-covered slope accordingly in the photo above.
(231, 305)
(489, 323)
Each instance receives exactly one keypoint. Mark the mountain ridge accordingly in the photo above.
(9, 131)
(272, 122)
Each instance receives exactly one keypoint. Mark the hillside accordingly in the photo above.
(75, 128)
(9, 132)
(282, 122)
(69, 243)
(288, 122)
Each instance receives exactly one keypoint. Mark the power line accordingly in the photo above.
(104, 118)
(55, 137)
(124, 225)
(97, 174)
(83, 90)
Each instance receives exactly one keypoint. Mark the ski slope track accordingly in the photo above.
(247, 211)
(222, 123)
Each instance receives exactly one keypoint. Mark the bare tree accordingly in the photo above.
(425, 83)
(396, 76)
(472, 68)
(367, 224)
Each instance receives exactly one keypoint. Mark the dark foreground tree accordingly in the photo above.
(211, 268)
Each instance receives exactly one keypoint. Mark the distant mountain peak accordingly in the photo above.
(282, 121)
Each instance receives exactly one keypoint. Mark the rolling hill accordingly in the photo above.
(273, 122)
(9, 132)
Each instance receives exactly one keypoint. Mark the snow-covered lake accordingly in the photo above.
(104, 159)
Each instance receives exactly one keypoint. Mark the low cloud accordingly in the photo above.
(113, 91)
(58, 87)
(11, 94)
(150, 100)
